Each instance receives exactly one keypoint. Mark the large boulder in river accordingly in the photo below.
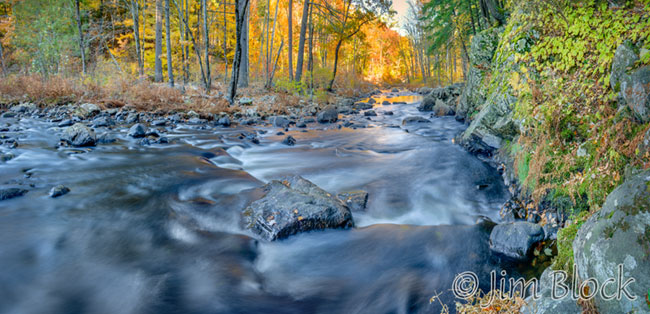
(515, 239)
(79, 135)
(293, 205)
(329, 114)
(619, 234)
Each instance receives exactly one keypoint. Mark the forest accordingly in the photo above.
(299, 47)
(325, 156)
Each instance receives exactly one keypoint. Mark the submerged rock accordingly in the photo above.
(79, 135)
(10, 193)
(293, 205)
(515, 239)
(355, 200)
(59, 190)
(619, 234)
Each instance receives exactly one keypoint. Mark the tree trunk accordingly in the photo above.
(170, 69)
(183, 46)
(245, 63)
(336, 62)
(301, 42)
(271, 42)
(310, 51)
(239, 18)
(136, 35)
(196, 48)
(158, 43)
(290, 32)
(225, 40)
(81, 39)
(206, 39)
(2, 61)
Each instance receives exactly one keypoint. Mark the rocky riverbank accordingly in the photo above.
(549, 132)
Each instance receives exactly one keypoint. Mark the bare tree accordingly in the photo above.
(82, 48)
(2, 61)
(170, 69)
(241, 7)
(245, 62)
(158, 43)
(290, 32)
(301, 42)
(206, 40)
(134, 7)
(204, 78)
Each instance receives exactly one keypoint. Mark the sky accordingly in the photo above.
(402, 7)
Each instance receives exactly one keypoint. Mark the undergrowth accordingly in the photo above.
(574, 141)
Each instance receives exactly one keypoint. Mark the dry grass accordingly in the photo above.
(116, 92)
(491, 303)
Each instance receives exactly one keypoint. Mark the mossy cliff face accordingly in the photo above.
(562, 108)
(564, 103)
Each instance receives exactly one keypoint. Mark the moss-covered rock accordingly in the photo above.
(483, 46)
(619, 234)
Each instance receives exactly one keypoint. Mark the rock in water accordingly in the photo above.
(137, 131)
(224, 121)
(356, 200)
(289, 140)
(293, 205)
(279, 122)
(441, 109)
(79, 135)
(328, 115)
(515, 239)
(59, 190)
(9, 193)
(619, 234)
(369, 113)
(414, 119)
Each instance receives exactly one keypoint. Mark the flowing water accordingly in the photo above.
(155, 229)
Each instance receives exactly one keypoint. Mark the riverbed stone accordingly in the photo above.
(138, 130)
(329, 114)
(293, 205)
(79, 135)
(618, 234)
(10, 193)
(355, 200)
(279, 122)
(224, 121)
(441, 109)
(289, 141)
(65, 123)
(369, 113)
(515, 239)
(87, 110)
(59, 190)
(414, 119)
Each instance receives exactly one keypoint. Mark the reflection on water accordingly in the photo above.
(155, 229)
